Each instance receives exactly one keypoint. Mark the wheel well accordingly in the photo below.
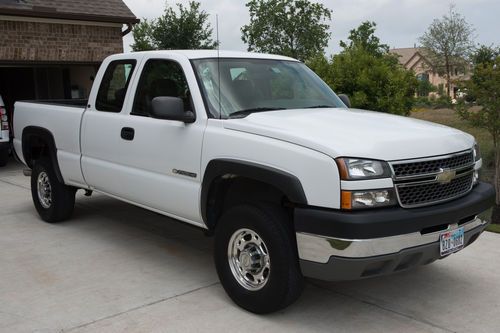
(229, 190)
(35, 148)
(37, 143)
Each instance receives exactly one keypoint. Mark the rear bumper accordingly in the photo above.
(336, 245)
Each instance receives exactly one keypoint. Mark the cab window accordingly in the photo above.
(160, 78)
(114, 85)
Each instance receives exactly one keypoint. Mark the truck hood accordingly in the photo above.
(355, 133)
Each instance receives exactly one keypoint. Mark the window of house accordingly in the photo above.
(160, 78)
(423, 77)
(114, 84)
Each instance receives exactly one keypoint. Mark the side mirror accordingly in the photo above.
(345, 99)
(171, 108)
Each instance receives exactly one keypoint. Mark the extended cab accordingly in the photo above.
(259, 151)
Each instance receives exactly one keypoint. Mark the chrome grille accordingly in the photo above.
(412, 169)
(416, 181)
(411, 195)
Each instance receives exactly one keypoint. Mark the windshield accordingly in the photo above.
(255, 85)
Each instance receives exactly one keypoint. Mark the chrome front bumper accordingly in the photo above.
(336, 245)
(319, 248)
(411, 251)
(340, 259)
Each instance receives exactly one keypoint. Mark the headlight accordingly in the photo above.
(477, 157)
(477, 152)
(368, 199)
(357, 169)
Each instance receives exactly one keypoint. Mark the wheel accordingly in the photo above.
(256, 258)
(4, 157)
(53, 200)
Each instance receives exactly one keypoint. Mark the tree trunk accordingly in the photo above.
(448, 75)
(495, 215)
(496, 179)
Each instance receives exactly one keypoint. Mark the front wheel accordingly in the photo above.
(53, 200)
(256, 258)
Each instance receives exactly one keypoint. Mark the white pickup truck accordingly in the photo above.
(259, 151)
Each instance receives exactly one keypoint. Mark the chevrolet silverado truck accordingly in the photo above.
(257, 150)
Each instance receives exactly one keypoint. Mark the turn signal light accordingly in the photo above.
(367, 199)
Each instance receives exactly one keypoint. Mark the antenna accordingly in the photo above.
(218, 61)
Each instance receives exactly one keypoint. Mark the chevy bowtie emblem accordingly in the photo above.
(445, 176)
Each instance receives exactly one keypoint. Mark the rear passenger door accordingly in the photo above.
(151, 162)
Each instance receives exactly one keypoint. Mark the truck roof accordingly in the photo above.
(200, 54)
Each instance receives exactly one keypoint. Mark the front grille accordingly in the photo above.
(412, 169)
(411, 195)
(416, 181)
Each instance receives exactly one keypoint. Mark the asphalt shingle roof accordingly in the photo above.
(96, 10)
(406, 53)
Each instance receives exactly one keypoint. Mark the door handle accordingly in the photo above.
(128, 133)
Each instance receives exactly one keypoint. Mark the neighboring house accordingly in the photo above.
(52, 49)
(414, 58)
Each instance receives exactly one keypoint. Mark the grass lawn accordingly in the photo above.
(450, 118)
(494, 228)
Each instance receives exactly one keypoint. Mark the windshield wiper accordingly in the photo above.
(320, 106)
(246, 112)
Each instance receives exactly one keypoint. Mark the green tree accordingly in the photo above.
(448, 42)
(485, 55)
(374, 80)
(484, 85)
(186, 28)
(364, 37)
(295, 28)
(424, 88)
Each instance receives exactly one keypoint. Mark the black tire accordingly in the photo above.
(62, 196)
(285, 282)
(4, 157)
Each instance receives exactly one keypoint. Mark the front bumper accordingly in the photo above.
(336, 245)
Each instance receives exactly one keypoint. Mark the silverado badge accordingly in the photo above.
(445, 176)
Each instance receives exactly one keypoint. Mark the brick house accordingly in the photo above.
(51, 49)
(414, 58)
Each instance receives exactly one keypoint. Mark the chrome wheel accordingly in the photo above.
(249, 259)
(44, 190)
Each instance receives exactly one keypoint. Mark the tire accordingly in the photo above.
(267, 289)
(4, 157)
(56, 201)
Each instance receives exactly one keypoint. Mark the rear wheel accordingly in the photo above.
(4, 157)
(53, 200)
(256, 258)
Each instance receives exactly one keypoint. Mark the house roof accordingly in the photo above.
(406, 53)
(86, 10)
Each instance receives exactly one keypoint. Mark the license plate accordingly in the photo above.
(451, 241)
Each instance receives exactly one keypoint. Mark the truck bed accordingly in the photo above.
(61, 119)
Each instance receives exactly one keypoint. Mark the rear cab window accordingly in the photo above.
(114, 85)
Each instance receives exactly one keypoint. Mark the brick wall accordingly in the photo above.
(36, 41)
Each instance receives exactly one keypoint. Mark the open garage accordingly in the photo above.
(52, 50)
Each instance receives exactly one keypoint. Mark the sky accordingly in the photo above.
(399, 22)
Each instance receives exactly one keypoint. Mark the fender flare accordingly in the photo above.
(287, 183)
(48, 138)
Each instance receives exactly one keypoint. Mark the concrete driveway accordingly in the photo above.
(118, 268)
